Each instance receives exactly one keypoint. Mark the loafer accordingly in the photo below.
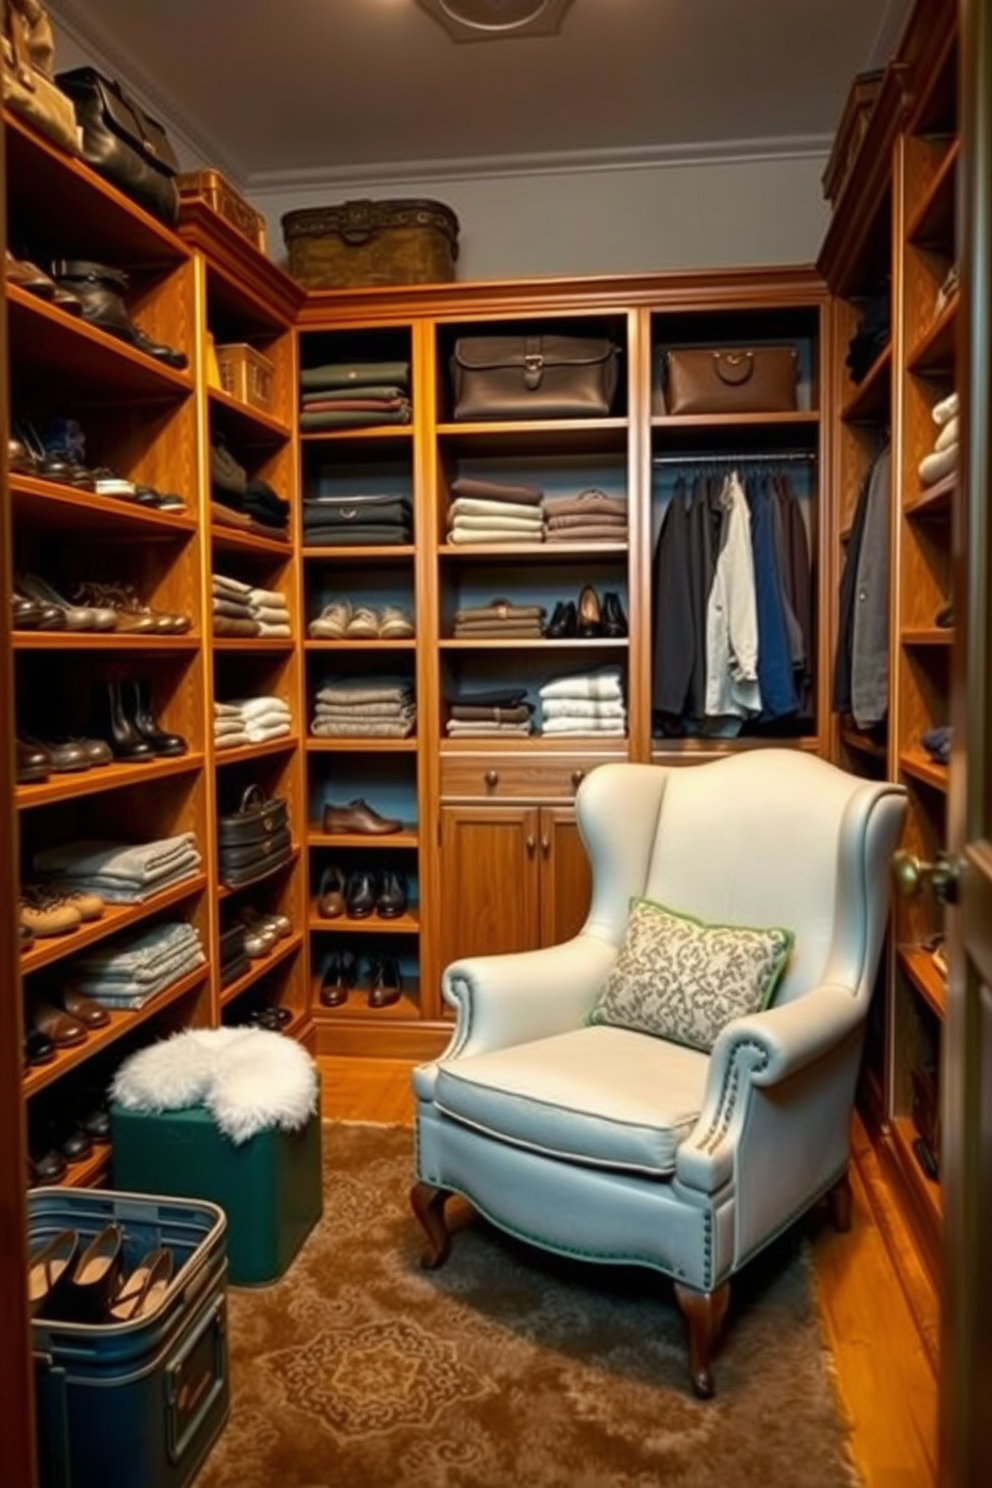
(358, 817)
(330, 894)
(62, 1028)
(83, 1008)
(359, 895)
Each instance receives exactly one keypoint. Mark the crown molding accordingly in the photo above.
(662, 157)
(72, 17)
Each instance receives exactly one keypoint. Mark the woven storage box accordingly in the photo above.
(209, 186)
(247, 375)
(372, 242)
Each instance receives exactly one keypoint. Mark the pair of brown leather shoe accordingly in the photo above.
(25, 275)
(358, 817)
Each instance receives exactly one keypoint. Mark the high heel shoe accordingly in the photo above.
(50, 1269)
(145, 1288)
(96, 1280)
(112, 722)
(590, 617)
(137, 697)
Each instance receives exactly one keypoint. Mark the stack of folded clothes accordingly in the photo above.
(486, 511)
(241, 609)
(943, 458)
(493, 713)
(501, 619)
(380, 709)
(873, 333)
(937, 743)
(236, 501)
(354, 395)
(357, 521)
(589, 516)
(250, 721)
(127, 973)
(591, 703)
(120, 872)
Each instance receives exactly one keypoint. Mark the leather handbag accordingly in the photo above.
(533, 377)
(122, 143)
(257, 818)
(29, 90)
(761, 379)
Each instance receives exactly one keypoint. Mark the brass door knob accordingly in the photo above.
(492, 777)
(577, 778)
(531, 845)
(940, 877)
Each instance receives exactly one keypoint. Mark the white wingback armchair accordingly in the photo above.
(609, 1144)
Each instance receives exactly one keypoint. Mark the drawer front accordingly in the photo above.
(490, 778)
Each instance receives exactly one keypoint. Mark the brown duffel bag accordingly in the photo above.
(760, 379)
(533, 377)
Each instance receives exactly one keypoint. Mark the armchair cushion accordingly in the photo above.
(681, 979)
(605, 1097)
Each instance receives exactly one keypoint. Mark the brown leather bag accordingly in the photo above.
(761, 379)
(533, 377)
(27, 54)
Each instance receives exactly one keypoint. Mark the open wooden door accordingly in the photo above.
(966, 1383)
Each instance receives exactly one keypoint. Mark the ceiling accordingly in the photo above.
(297, 91)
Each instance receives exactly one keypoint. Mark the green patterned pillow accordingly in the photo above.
(681, 979)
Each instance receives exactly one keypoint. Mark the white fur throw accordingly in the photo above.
(249, 1079)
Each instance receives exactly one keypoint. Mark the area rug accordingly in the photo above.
(508, 1368)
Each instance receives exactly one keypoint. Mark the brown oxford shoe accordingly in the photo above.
(359, 817)
(62, 1028)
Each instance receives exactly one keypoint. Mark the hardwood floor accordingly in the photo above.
(884, 1348)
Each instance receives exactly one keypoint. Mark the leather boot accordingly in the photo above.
(138, 701)
(113, 722)
(100, 289)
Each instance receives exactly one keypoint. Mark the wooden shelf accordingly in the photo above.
(919, 766)
(357, 1011)
(44, 338)
(85, 512)
(934, 635)
(343, 436)
(918, 966)
(607, 746)
(69, 786)
(39, 1076)
(384, 842)
(800, 418)
(362, 743)
(405, 924)
(864, 744)
(933, 501)
(279, 953)
(44, 952)
(252, 426)
(932, 224)
(536, 436)
(924, 1189)
(88, 641)
(91, 1172)
(245, 753)
(233, 540)
(227, 891)
(869, 402)
(252, 645)
(934, 351)
(547, 551)
(351, 645)
(384, 551)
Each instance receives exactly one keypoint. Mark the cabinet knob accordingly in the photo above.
(492, 777)
(545, 845)
(531, 845)
(577, 777)
(940, 877)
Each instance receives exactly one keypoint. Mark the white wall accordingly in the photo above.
(702, 215)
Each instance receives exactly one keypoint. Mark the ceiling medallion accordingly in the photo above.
(482, 20)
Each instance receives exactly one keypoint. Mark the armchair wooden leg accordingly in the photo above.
(839, 1201)
(704, 1313)
(428, 1205)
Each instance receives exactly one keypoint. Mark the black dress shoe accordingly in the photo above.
(38, 1047)
(47, 1167)
(33, 763)
(391, 898)
(614, 619)
(340, 975)
(385, 981)
(590, 616)
(562, 624)
(360, 895)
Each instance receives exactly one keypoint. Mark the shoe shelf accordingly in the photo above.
(280, 952)
(691, 423)
(225, 891)
(370, 647)
(541, 553)
(245, 753)
(49, 502)
(934, 501)
(249, 425)
(44, 338)
(376, 433)
(252, 645)
(230, 540)
(121, 1023)
(931, 636)
(357, 1010)
(503, 439)
(931, 223)
(44, 952)
(361, 744)
(71, 785)
(404, 924)
(408, 837)
(89, 640)
(91, 1171)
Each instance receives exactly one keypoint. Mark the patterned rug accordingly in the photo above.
(508, 1368)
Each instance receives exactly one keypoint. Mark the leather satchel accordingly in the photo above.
(122, 143)
(740, 380)
(256, 819)
(29, 90)
(533, 377)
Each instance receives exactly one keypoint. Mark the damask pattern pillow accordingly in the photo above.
(678, 978)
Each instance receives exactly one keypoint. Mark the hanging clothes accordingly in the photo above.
(861, 658)
(732, 689)
(797, 572)
(775, 671)
(682, 576)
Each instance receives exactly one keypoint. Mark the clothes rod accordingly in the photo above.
(752, 458)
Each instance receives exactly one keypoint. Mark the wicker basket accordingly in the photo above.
(209, 186)
(247, 375)
(372, 243)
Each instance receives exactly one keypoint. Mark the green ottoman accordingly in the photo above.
(269, 1186)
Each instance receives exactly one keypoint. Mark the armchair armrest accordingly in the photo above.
(510, 999)
(761, 1050)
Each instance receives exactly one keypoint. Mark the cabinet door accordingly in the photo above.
(489, 880)
(566, 878)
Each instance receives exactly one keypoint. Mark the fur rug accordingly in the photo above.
(508, 1367)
